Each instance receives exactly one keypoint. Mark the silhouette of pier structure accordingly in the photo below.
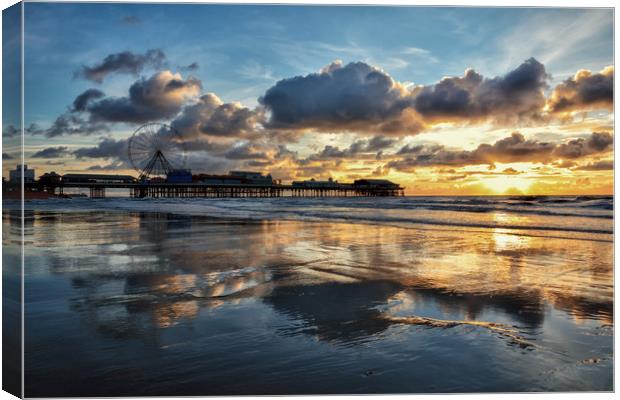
(97, 185)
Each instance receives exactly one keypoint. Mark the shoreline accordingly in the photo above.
(404, 224)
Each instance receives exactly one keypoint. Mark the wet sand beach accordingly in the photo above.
(121, 303)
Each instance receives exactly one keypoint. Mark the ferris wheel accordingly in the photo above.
(155, 150)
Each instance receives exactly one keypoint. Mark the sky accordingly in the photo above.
(444, 101)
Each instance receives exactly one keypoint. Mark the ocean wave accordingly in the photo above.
(583, 214)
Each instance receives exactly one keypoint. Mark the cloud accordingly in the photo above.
(116, 165)
(597, 142)
(356, 97)
(409, 149)
(584, 91)
(131, 20)
(211, 116)
(358, 147)
(602, 165)
(558, 37)
(51, 152)
(515, 97)
(379, 143)
(361, 98)
(125, 62)
(9, 131)
(71, 124)
(82, 100)
(420, 53)
(7, 156)
(200, 154)
(159, 97)
(191, 67)
(510, 171)
(245, 151)
(107, 148)
(514, 148)
(32, 129)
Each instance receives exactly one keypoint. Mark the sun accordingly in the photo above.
(507, 184)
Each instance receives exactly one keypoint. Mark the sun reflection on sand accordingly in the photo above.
(217, 298)
(227, 261)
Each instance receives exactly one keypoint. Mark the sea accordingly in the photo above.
(204, 296)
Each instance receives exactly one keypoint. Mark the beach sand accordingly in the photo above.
(122, 303)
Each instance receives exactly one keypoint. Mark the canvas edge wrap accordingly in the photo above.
(13, 252)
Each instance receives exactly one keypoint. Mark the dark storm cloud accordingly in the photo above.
(379, 143)
(159, 97)
(514, 148)
(210, 116)
(417, 149)
(245, 151)
(357, 148)
(82, 100)
(51, 152)
(198, 145)
(72, 124)
(603, 165)
(284, 153)
(584, 91)
(125, 62)
(362, 98)
(597, 142)
(353, 97)
(518, 95)
(9, 131)
(107, 148)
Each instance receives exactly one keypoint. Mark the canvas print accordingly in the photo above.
(204, 199)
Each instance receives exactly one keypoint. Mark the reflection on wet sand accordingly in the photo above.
(518, 274)
(137, 276)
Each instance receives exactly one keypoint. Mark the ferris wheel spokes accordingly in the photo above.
(155, 150)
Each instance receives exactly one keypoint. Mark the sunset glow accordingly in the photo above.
(441, 113)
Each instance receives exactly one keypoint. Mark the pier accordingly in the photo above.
(197, 189)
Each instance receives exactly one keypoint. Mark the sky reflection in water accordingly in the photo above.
(148, 303)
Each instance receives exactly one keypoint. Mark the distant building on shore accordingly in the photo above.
(50, 178)
(15, 176)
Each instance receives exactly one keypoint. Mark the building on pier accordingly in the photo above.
(179, 176)
(97, 178)
(236, 178)
(375, 184)
(312, 183)
(252, 177)
(207, 179)
(235, 184)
